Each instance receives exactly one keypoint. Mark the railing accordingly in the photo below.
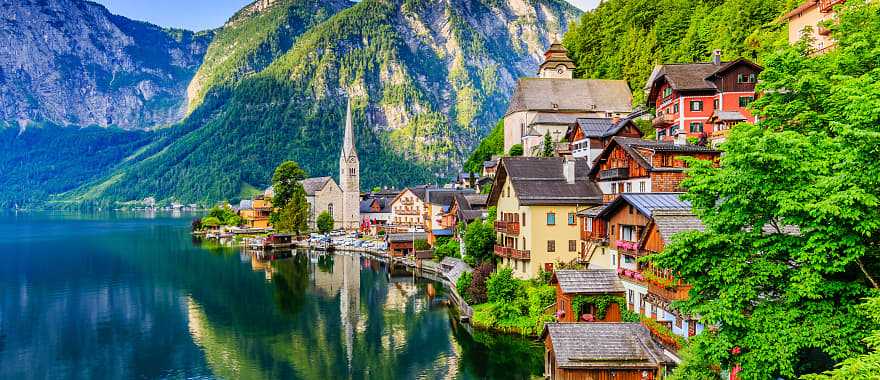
(630, 247)
(673, 293)
(663, 120)
(512, 253)
(827, 5)
(505, 227)
(614, 174)
(632, 276)
(593, 235)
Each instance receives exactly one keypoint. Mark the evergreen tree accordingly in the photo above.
(547, 148)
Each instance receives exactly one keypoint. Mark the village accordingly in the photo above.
(579, 199)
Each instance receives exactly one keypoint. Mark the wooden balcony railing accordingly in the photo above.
(505, 227)
(663, 120)
(512, 253)
(593, 236)
(828, 5)
(674, 293)
(614, 174)
(629, 247)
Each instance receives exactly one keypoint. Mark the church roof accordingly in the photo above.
(557, 55)
(571, 95)
(314, 185)
(348, 148)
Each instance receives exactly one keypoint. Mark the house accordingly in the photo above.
(323, 194)
(489, 167)
(589, 136)
(403, 244)
(465, 209)
(698, 99)
(629, 165)
(807, 19)
(639, 225)
(375, 213)
(537, 200)
(408, 209)
(587, 283)
(437, 204)
(554, 100)
(619, 351)
(594, 249)
(255, 212)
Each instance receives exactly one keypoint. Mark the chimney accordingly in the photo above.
(716, 57)
(568, 170)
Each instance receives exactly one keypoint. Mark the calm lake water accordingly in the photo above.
(130, 296)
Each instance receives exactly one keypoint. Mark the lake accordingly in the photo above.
(120, 296)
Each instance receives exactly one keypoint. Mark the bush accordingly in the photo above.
(324, 222)
(502, 287)
(544, 277)
(211, 221)
(421, 245)
(462, 285)
(477, 290)
(449, 247)
(540, 297)
(381, 233)
(516, 150)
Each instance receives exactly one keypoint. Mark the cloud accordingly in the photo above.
(585, 4)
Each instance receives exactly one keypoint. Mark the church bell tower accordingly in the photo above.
(350, 177)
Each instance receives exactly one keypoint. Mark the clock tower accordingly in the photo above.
(556, 64)
(350, 177)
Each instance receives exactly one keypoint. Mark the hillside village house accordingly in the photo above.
(591, 282)
(537, 200)
(589, 136)
(630, 165)
(408, 209)
(602, 351)
(375, 214)
(255, 212)
(701, 100)
(554, 100)
(465, 209)
(594, 250)
(437, 204)
(639, 225)
(807, 18)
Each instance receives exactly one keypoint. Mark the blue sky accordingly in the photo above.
(202, 14)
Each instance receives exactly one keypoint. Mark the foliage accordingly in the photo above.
(502, 287)
(601, 302)
(547, 146)
(491, 145)
(294, 216)
(522, 314)
(286, 182)
(446, 247)
(462, 285)
(862, 367)
(421, 245)
(226, 215)
(211, 221)
(324, 222)
(544, 276)
(516, 150)
(662, 330)
(479, 239)
(477, 291)
(629, 316)
(540, 298)
(813, 163)
(624, 39)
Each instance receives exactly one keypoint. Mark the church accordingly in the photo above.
(341, 200)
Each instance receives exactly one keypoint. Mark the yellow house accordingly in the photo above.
(255, 212)
(806, 20)
(537, 200)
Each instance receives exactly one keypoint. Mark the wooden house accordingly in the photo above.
(588, 284)
(255, 212)
(403, 244)
(602, 351)
(587, 137)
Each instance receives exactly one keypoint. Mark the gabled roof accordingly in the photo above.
(540, 181)
(602, 127)
(670, 222)
(314, 185)
(444, 197)
(590, 281)
(632, 145)
(726, 116)
(418, 191)
(647, 203)
(692, 76)
(571, 95)
(592, 212)
(407, 237)
(603, 345)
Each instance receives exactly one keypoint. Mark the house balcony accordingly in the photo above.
(614, 174)
(512, 253)
(505, 227)
(629, 247)
(669, 292)
(632, 276)
(826, 6)
(593, 236)
(663, 121)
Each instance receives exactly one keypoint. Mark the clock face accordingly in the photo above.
(560, 70)
(351, 159)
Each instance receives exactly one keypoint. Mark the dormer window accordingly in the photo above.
(667, 91)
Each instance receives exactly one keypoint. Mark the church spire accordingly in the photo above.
(348, 140)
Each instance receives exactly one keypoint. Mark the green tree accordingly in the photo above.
(491, 145)
(516, 150)
(446, 247)
(502, 286)
(294, 217)
(547, 146)
(792, 239)
(210, 221)
(324, 222)
(479, 240)
(286, 182)
(862, 367)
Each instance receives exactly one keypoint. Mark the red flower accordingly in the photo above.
(736, 350)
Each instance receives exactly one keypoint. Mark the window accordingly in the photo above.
(660, 134)
(696, 105)
(715, 104)
(752, 78)
(572, 245)
(739, 78)
(675, 108)
(525, 247)
(627, 233)
(696, 127)
(571, 220)
(745, 100)
(588, 224)
(629, 187)
(630, 209)
(632, 296)
(613, 188)
(667, 91)
(551, 245)
(620, 187)
(642, 187)
(523, 219)
(551, 218)
(352, 172)
(330, 209)
(613, 260)
(742, 78)
(666, 161)
(677, 321)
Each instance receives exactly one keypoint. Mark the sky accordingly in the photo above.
(200, 15)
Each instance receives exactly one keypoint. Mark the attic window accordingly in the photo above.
(555, 106)
(667, 91)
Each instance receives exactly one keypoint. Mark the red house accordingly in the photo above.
(701, 100)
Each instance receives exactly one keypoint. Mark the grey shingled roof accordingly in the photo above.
(647, 203)
(670, 222)
(590, 281)
(728, 116)
(407, 236)
(444, 197)
(577, 95)
(453, 268)
(313, 185)
(538, 181)
(688, 76)
(554, 118)
(592, 212)
(604, 345)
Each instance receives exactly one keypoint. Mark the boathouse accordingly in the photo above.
(596, 293)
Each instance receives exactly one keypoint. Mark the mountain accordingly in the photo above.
(427, 79)
(72, 62)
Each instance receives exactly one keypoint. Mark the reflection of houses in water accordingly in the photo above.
(345, 279)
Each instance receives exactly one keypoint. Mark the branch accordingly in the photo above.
(865, 272)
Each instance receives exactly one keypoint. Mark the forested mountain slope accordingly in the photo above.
(427, 79)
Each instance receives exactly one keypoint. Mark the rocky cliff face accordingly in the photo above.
(72, 62)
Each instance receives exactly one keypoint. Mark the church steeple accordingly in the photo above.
(350, 176)
(348, 149)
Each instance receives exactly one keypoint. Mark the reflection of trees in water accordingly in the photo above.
(490, 355)
(291, 280)
(325, 263)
